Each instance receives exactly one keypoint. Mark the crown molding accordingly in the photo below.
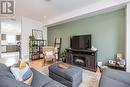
(88, 11)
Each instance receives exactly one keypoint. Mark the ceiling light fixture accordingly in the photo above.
(48, 0)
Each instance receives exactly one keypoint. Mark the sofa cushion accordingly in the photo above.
(70, 73)
(8, 82)
(118, 75)
(39, 80)
(108, 82)
(5, 72)
(22, 72)
(3, 67)
(54, 84)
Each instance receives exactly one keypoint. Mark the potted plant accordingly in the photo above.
(31, 46)
(31, 41)
(62, 56)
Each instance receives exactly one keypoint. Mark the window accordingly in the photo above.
(11, 38)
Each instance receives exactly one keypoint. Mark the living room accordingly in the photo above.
(90, 40)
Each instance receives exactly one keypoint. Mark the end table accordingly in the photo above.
(117, 66)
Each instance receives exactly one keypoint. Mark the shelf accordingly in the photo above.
(34, 53)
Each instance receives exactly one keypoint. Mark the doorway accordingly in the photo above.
(10, 39)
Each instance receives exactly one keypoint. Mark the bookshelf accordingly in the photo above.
(35, 49)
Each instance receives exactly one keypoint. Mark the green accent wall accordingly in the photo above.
(108, 33)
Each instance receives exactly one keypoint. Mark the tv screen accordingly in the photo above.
(81, 42)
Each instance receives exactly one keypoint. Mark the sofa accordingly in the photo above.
(39, 80)
(114, 78)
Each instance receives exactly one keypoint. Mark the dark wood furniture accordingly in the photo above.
(86, 59)
(57, 44)
(11, 48)
(18, 37)
(35, 49)
(3, 36)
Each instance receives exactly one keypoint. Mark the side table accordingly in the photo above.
(117, 66)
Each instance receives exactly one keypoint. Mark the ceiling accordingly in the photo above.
(53, 12)
(39, 9)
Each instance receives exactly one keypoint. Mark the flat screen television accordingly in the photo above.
(82, 42)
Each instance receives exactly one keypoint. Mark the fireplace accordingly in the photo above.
(79, 60)
(86, 59)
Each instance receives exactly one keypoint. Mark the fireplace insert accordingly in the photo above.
(86, 59)
(79, 60)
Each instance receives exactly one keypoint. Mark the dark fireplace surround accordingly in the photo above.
(86, 59)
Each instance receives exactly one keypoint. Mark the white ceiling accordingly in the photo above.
(37, 9)
(54, 12)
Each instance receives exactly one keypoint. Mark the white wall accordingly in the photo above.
(45, 33)
(27, 26)
(128, 36)
(0, 39)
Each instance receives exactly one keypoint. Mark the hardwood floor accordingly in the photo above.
(34, 64)
(38, 64)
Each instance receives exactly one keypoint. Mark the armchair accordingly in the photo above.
(49, 54)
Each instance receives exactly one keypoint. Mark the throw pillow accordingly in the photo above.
(22, 73)
(25, 73)
(48, 53)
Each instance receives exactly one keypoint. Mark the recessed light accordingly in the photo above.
(47, 0)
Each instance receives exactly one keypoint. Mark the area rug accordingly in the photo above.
(90, 79)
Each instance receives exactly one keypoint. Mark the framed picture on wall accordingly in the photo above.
(38, 34)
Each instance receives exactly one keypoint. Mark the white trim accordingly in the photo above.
(128, 37)
(95, 9)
